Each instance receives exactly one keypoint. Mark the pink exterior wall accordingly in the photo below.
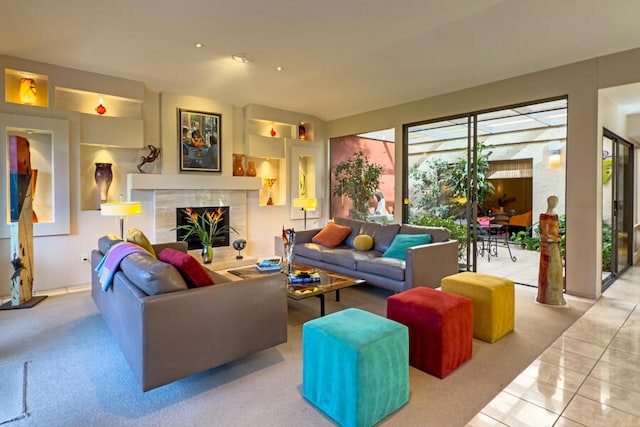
(376, 151)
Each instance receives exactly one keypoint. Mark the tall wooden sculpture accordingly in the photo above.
(21, 225)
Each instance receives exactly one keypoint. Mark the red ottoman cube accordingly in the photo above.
(440, 328)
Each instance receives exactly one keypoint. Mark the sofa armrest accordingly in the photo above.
(426, 265)
(179, 246)
(305, 236)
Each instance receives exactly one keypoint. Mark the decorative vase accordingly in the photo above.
(269, 182)
(207, 254)
(103, 177)
(251, 170)
(302, 132)
(288, 258)
(238, 170)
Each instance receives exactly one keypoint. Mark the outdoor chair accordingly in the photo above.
(499, 232)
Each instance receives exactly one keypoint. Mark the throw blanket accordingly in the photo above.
(109, 264)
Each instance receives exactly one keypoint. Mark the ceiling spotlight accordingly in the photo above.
(279, 68)
(199, 45)
(241, 57)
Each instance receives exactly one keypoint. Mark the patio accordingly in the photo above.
(524, 270)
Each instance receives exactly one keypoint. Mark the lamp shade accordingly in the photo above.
(306, 204)
(120, 208)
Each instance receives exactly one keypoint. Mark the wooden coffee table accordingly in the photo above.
(329, 282)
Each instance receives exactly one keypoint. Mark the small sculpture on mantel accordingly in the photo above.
(154, 152)
(239, 245)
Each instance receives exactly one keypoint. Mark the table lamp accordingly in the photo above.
(305, 205)
(122, 210)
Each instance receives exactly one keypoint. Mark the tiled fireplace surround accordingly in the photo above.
(166, 202)
(168, 192)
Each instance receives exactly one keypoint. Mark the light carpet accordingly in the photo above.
(77, 375)
(12, 392)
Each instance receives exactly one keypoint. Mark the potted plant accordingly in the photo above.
(207, 228)
(358, 179)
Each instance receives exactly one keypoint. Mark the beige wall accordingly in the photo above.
(580, 82)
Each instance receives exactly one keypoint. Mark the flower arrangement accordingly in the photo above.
(206, 227)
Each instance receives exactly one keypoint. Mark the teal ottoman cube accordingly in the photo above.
(355, 366)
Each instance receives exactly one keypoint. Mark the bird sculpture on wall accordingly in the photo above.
(154, 152)
(239, 245)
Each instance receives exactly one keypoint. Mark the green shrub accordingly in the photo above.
(606, 247)
(458, 232)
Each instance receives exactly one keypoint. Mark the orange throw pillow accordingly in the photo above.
(331, 235)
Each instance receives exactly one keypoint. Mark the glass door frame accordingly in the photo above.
(621, 206)
(472, 180)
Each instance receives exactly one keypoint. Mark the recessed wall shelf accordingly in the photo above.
(111, 131)
(86, 102)
(17, 84)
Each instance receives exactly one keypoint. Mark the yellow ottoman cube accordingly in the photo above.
(493, 302)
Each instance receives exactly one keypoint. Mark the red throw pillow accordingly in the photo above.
(191, 270)
(332, 235)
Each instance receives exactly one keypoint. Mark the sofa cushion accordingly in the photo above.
(355, 225)
(404, 241)
(438, 234)
(309, 250)
(331, 235)
(194, 274)
(343, 256)
(382, 234)
(363, 242)
(138, 237)
(392, 268)
(106, 242)
(152, 276)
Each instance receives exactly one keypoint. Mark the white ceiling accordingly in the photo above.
(340, 57)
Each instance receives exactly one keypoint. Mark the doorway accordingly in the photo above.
(617, 197)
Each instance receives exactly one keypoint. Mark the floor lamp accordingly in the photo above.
(305, 205)
(122, 210)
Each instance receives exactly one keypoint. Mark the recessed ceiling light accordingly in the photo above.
(279, 68)
(199, 45)
(241, 57)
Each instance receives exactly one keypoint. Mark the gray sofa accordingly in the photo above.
(179, 332)
(425, 265)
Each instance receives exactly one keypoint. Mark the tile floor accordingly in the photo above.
(590, 376)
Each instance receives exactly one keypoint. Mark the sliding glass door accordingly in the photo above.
(617, 187)
(508, 160)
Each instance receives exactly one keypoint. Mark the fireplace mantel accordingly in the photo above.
(150, 182)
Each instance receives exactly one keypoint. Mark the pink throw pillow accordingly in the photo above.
(191, 270)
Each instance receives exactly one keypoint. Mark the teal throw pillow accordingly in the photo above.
(403, 241)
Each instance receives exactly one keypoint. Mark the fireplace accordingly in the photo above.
(193, 241)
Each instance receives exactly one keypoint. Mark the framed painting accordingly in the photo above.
(199, 140)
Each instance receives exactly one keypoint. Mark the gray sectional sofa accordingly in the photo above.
(178, 332)
(425, 265)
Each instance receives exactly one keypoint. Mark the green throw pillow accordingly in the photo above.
(403, 241)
